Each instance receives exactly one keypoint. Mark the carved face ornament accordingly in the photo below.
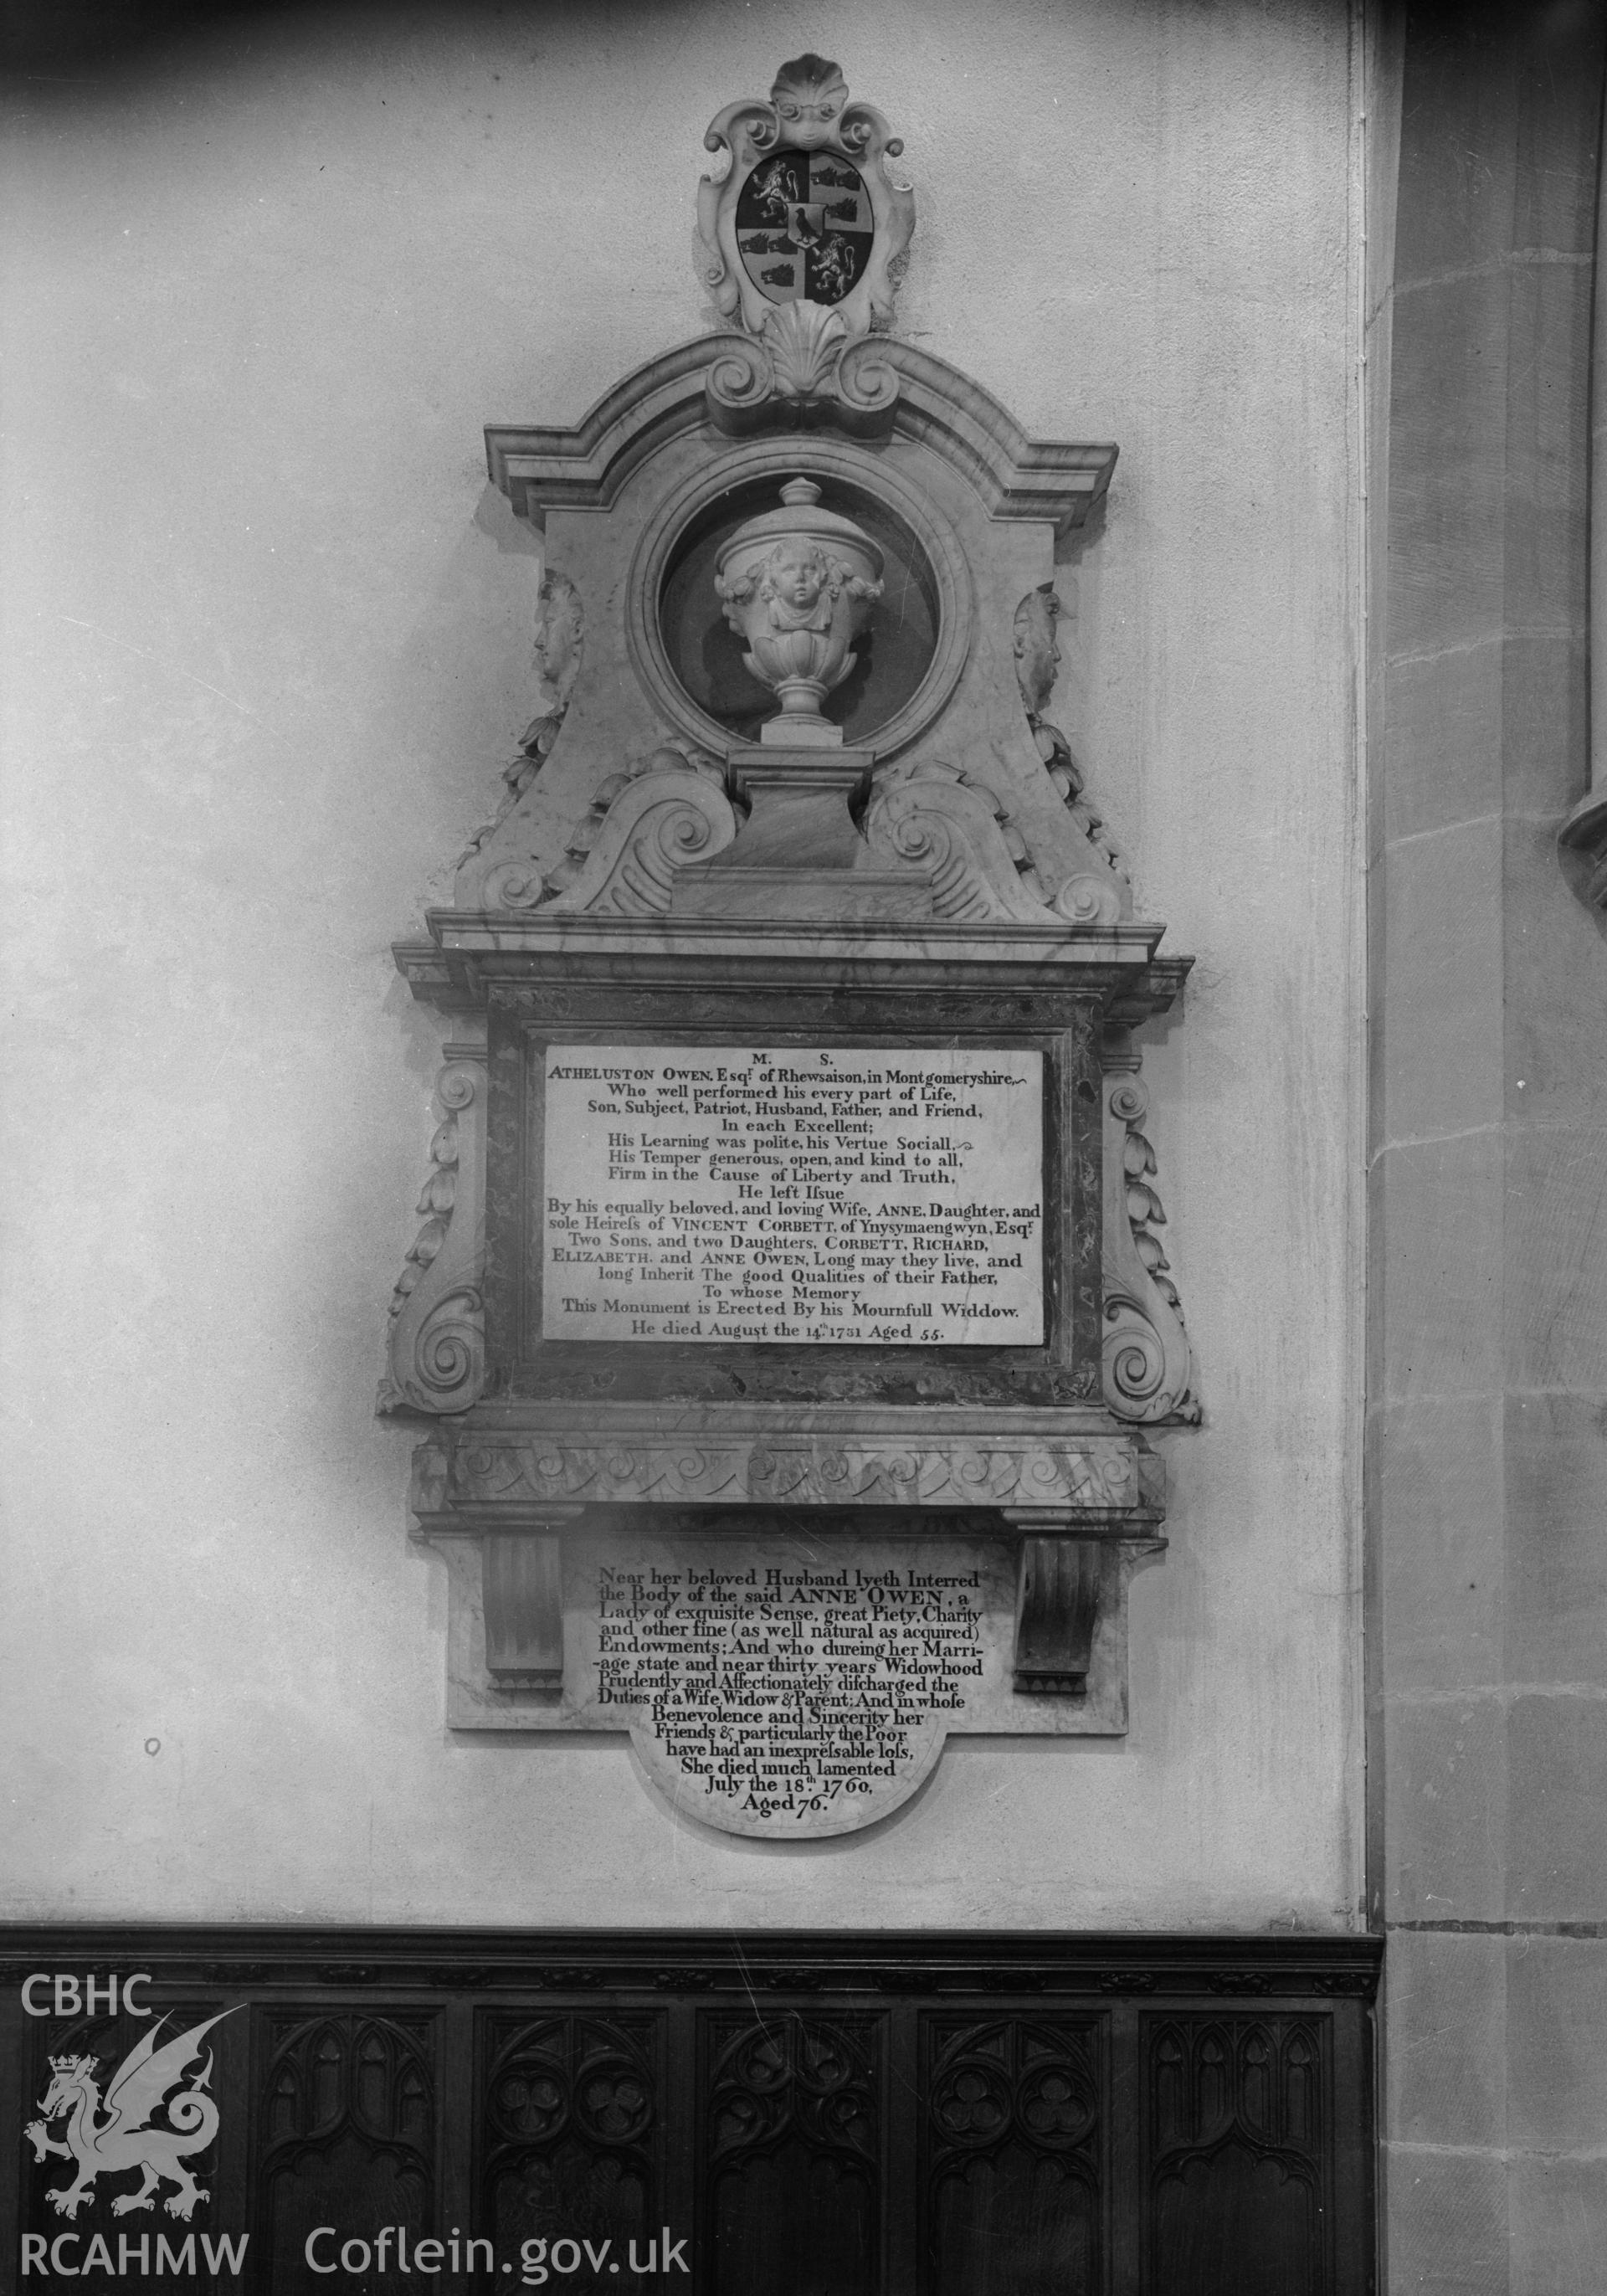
(796, 575)
(1036, 646)
(808, 95)
(557, 631)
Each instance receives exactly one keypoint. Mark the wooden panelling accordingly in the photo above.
(875, 2116)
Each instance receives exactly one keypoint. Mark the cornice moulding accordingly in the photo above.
(467, 954)
(585, 466)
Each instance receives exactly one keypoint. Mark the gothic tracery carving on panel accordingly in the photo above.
(571, 2139)
(1015, 2131)
(1236, 2147)
(347, 2110)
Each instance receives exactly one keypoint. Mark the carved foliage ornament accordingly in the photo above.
(807, 211)
(438, 1335)
(1038, 657)
(1149, 1366)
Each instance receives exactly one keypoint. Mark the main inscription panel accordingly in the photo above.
(709, 1194)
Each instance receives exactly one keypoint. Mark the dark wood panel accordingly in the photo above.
(1239, 2169)
(1013, 2192)
(793, 2107)
(346, 2132)
(570, 2141)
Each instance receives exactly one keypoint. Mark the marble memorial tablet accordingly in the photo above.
(716, 1194)
(774, 1686)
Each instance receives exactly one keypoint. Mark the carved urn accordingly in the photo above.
(799, 585)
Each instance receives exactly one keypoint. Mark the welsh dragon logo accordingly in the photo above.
(124, 2138)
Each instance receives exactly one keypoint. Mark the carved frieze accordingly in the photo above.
(772, 1466)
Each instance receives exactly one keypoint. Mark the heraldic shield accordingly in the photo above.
(804, 228)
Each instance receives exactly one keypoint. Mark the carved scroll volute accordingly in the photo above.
(643, 826)
(1148, 1364)
(936, 818)
(437, 1330)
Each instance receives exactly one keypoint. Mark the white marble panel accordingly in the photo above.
(851, 1196)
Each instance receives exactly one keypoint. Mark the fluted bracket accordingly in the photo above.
(1070, 1575)
(521, 1593)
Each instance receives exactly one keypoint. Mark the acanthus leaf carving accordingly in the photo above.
(781, 1469)
(438, 1339)
(1148, 1367)
(1037, 656)
(803, 367)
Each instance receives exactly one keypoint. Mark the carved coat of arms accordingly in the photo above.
(807, 211)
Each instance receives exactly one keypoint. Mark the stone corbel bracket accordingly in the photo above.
(1069, 1575)
(438, 1334)
(1148, 1364)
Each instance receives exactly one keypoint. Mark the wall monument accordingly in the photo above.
(788, 1312)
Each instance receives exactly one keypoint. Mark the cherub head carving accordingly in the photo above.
(795, 575)
(808, 95)
(1037, 646)
(558, 635)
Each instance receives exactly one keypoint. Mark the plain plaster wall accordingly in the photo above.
(268, 644)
